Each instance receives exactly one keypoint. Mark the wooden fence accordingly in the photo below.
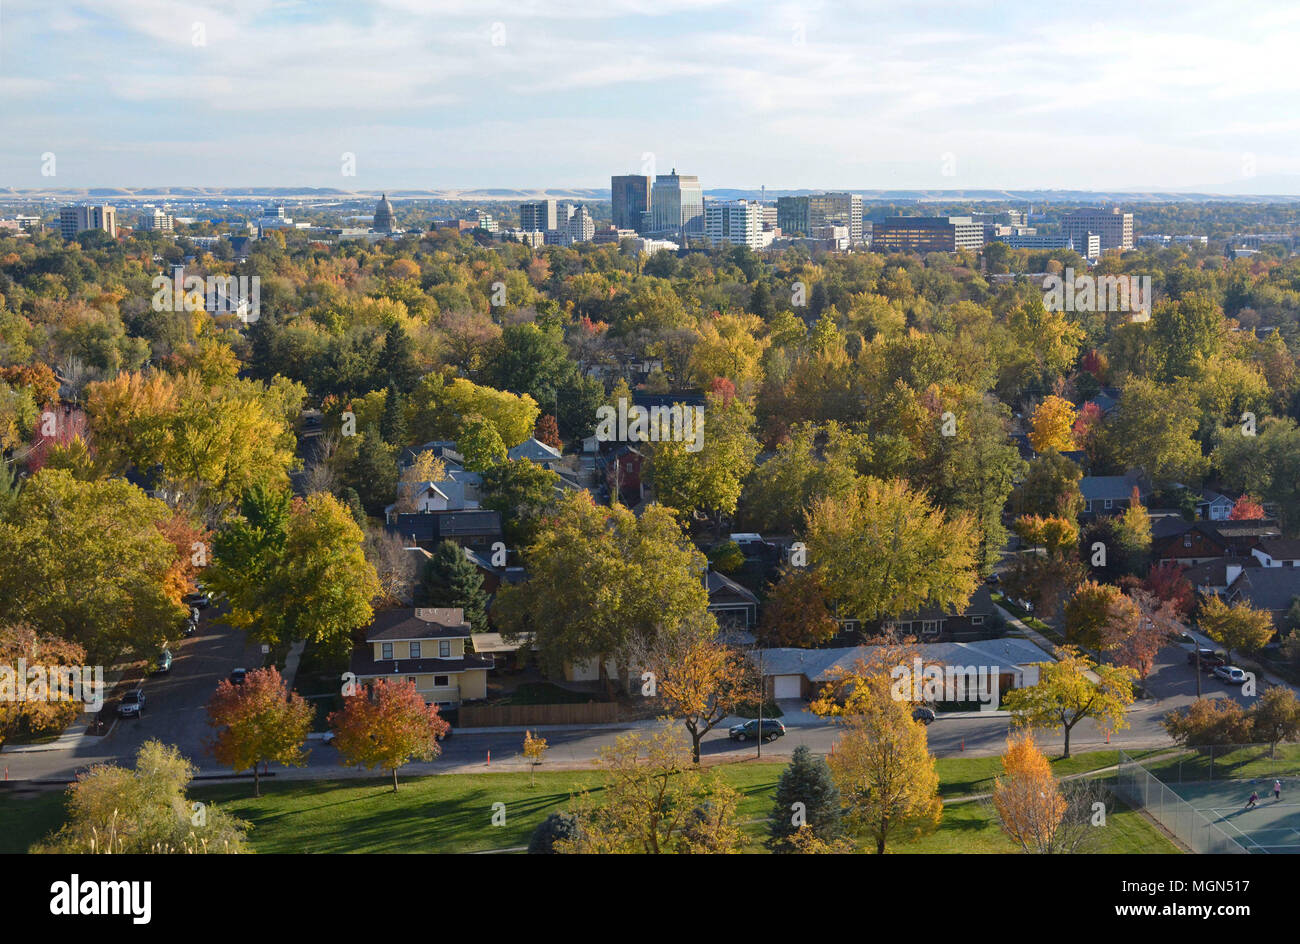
(490, 716)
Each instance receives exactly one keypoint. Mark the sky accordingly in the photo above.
(421, 94)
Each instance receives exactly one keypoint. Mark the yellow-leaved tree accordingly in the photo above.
(1027, 797)
(1070, 689)
(1052, 425)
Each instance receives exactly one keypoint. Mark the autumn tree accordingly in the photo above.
(1246, 508)
(387, 727)
(1091, 613)
(1028, 797)
(601, 580)
(883, 767)
(887, 550)
(425, 467)
(655, 801)
(88, 562)
(114, 809)
(1275, 716)
(548, 432)
(697, 678)
(797, 612)
(1052, 425)
(534, 750)
(1209, 721)
(259, 722)
(1066, 693)
(1238, 626)
(24, 715)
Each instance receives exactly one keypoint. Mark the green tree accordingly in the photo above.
(449, 578)
(807, 798)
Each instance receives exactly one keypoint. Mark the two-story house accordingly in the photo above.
(425, 645)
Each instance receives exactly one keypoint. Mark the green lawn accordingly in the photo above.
(453, 813)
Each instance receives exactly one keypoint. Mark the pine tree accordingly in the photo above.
(806, 780)
(451, 579)
(373, 473)
(397, 360)
(392, 425)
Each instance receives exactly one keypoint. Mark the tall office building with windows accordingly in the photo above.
(677, 205)
(799, 216)
(537, 216)
(78, 219)
(629, 197)
(926, 234)
(1114, 228)
(738, 223)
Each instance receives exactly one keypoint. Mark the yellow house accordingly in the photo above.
(426, 646)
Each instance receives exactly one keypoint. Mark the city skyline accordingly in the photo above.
(940, 96)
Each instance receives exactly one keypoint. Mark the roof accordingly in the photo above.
(981, 602)
(1281, 548)
(1268, 588)
(420, 623)
(821, 665)
(437, 525)
(533, 449)
(1214, 573)
(721, 584)
(684, 397)
(1114, 487)
(493, 642)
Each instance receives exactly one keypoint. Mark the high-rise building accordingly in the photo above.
(156, 219)
(78, 219)
(385, 221)
(799, 216)
(630, 197)
(738, 223)
(677, 205)
(1114, 228)
(926, 234)
(537, 216)
(580, 226)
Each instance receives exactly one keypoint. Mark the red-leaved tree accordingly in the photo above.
(387, 727)
(258, 722)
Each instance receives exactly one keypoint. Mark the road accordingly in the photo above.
(174, 714)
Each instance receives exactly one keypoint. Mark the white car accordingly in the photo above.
(1230, 674)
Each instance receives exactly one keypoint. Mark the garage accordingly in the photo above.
(787, 686)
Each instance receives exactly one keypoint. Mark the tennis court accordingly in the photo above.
(1271, 826)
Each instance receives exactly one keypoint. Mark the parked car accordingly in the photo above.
(237, 676)
(923, 714)
(198, 600)
(1208, 657)
(132, 704)
(1230, 674)
(163, 663)
(749, 729)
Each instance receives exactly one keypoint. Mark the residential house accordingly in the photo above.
(426, 646)
(623, 475)
(1214, 506)
(1215, 576)
(1277, 552)
(1105, 495)
(476, 530)
(734, 606)
(1194, 542)
(976, 620)
(535, 451)
(801, 673)
(1273, 589)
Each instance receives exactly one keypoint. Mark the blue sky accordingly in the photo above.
(532, 94)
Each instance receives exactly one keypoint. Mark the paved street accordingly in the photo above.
(174, 714)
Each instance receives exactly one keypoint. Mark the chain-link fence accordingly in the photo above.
(1143, 791)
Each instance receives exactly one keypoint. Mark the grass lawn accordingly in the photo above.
(452, 813)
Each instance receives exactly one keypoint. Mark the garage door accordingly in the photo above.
(786, 686)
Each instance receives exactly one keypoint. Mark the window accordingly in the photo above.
(929, 627)
(977, 620)
(415, 650)
(1187, 539)
(387, 650)
(411, 679)
(1109, 503)
(444, 649)
(441, 681)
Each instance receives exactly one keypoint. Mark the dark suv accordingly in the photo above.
(743, 732)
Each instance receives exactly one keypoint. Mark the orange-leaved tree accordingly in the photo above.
(259, 721)
(386, 727)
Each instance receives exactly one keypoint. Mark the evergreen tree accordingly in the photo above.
(373, 473)
(392, 425)
(806, 780)
(397, 360)
(451, 579)
(557, 826)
